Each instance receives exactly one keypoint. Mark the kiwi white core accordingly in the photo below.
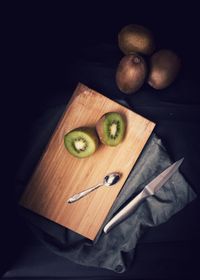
(113, 129)
(80, 144)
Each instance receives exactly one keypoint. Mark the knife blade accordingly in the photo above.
(149, 190)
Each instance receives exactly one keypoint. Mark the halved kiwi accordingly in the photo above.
(111, 128)
(81, 142)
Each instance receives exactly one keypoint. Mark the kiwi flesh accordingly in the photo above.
(131, 73)
(81, 142)
(164, 68)
(136, 38)
(111, 128)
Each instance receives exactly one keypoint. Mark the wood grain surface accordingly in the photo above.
(59, 175)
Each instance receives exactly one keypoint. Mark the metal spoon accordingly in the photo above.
(109, 180)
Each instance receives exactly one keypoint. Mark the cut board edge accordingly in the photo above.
(83, 87)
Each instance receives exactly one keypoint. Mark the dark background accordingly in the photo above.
(42, 42)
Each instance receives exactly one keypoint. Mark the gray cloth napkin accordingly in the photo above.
(115, 250)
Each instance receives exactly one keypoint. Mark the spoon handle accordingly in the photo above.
(83, 193)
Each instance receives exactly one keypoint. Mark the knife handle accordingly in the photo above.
(126, 211)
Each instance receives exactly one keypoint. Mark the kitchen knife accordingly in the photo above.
(149, 190)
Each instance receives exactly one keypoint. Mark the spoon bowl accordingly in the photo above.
(111, 179)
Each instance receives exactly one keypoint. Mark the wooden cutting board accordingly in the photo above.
(59, 175)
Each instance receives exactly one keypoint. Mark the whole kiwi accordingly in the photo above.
(136, 38)
(131, 73)
(164, 67)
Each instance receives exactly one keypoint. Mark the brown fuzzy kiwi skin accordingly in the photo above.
(136, 38)
(164, 67)
(131, 73)
(99, 129)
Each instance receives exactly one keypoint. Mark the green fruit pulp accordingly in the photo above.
(114, 129)
(81, 142)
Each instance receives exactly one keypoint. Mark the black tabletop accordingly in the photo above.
(48, 50)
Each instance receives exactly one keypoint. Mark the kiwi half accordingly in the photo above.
(111, 128)
(81, 142)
